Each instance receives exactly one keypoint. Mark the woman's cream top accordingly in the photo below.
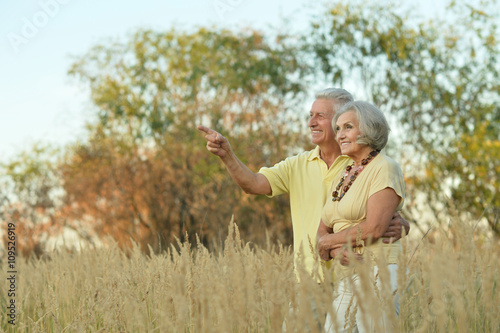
(382, 172)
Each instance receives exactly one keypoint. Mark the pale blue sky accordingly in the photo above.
(39, 102)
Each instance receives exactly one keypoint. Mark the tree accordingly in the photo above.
(30, 197)
(144, 173)
(440, 79)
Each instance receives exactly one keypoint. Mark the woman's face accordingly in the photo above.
(347, 128)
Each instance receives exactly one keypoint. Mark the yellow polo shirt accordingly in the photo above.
(307, 179)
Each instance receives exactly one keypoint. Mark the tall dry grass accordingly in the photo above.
(451, 286)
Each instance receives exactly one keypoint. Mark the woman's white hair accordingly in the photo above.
(373, 126)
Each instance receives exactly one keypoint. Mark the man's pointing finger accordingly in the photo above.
(205, 129)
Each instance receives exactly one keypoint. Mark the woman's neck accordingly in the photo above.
(359, 156)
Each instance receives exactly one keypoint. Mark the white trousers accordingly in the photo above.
(347, 303)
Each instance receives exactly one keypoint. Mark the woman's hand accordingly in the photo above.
(342, 254)
(324, 248)
(323, 235)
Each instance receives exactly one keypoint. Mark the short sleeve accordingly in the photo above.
(278, 177)
(389, 174)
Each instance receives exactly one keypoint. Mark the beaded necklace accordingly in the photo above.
(360, 168)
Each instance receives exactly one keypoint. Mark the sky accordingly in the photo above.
(39, 40)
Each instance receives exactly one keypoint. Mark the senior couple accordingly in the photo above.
(342, 192)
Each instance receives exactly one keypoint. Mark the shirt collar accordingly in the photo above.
(314, 154)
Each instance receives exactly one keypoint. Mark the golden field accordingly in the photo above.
(451, 286)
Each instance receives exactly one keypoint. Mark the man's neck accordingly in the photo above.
(329, 154)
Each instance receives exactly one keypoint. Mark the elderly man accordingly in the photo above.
(307, 177)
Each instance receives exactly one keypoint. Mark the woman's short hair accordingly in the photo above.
(339, 96)
(373, 126)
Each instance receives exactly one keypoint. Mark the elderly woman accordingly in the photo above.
(362, 203)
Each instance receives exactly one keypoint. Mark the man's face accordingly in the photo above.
(320, 122)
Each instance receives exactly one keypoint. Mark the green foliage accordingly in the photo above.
(168, 82)
(440, 79)
(143, 173)
(31, 196)
(145, 161)
(31, 178)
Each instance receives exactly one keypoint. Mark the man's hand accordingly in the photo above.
(393, 232)
(216, 143)
(251, 183)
